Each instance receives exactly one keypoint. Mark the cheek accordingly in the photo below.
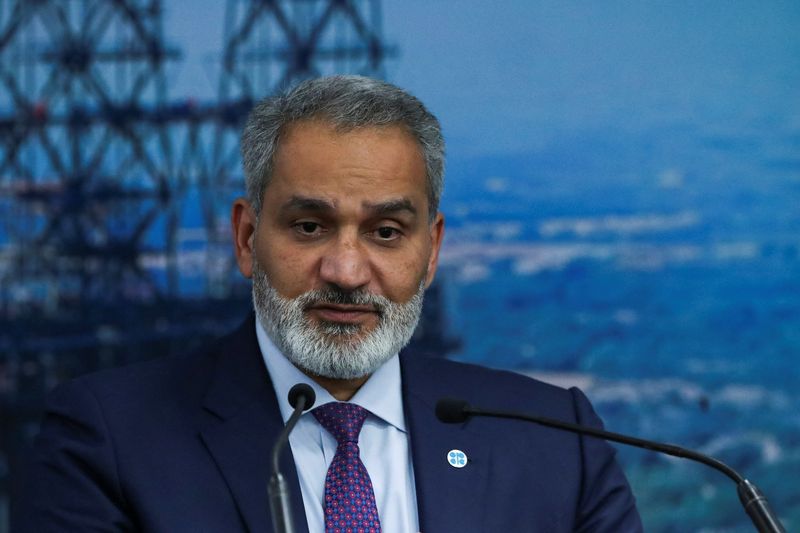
(401, 278)
(289, 272)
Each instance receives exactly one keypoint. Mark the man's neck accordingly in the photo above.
(341, 389)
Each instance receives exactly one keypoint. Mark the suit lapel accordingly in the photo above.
(448, 498)
(248, 422)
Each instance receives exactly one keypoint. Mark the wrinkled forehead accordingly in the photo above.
(299, 127)
(372, 163)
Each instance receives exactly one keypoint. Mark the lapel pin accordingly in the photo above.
(457, 458)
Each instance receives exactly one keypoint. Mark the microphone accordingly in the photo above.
(301, 398)
(456, 411)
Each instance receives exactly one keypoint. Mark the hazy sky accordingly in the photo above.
(508, 76)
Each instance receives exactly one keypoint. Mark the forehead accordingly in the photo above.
(314, 158)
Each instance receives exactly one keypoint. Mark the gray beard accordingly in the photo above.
(333, 350)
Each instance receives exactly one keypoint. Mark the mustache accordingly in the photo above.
(337, 296)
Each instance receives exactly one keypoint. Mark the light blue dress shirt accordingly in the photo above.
(383, 442)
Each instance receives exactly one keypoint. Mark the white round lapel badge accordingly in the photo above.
(457, 458)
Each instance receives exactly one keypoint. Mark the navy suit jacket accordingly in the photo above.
(182, 444)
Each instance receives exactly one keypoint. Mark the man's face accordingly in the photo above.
(345, 215)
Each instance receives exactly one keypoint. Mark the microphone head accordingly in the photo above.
(302, 390)
(452, 410)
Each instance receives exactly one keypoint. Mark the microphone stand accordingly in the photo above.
(301, 397)
(755, 504)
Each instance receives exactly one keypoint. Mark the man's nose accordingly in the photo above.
(346, 265)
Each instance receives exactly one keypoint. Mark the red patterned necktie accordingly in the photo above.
(349, 499)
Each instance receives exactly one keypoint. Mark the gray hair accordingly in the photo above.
(346, 102)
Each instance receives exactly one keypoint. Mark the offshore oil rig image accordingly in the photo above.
(115, 193)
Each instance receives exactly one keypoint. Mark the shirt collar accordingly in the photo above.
(381, 395)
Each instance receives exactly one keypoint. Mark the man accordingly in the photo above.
(340, 233)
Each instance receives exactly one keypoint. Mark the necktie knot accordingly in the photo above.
(342, 420)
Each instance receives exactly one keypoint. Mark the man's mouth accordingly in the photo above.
(342, 313)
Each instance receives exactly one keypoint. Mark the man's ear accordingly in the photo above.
(437, 234)
(243, 224)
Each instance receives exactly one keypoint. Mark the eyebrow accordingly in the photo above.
(391, 206)
(307, 203)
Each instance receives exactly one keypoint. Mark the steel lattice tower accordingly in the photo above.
(84, 178)
(96, 159)
(271, 44)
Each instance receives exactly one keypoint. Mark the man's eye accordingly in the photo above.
(308, 228)
(387, 233)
